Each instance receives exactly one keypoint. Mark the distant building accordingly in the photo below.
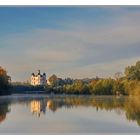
(38, 79)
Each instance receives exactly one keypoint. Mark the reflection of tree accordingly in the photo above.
(52, 105)
(132, 107)
(3, 111)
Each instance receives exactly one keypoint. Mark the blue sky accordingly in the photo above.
(75, 42)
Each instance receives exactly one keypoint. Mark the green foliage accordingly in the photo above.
(132, 87)
(102, 87)
(133, 72)
(95, 87)
(132, 81)
(78, 87)
(119, 88)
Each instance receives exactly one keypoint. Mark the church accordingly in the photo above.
(38, 79)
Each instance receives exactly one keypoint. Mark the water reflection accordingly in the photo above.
(4, 109)
(129, 105)
(132, 109)
(39, 105)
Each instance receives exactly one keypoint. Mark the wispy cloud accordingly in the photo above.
(75, 51)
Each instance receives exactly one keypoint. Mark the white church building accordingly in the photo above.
(38, 79)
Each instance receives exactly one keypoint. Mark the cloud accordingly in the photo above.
(82, 50)
(107, 69)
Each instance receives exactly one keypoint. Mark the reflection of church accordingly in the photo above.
(37, 107)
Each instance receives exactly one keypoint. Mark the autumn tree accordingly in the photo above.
(53, 80)
(4, 80)
(133, 72)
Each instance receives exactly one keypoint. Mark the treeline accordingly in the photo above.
(95, 87)
(24, 88)
(129, 84)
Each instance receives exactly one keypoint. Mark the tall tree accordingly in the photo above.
(4, 80)
(133, 72)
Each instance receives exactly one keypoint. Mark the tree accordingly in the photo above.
(4, 80)
(102, 87)
(53, 80)
(79, 87)
(117, 76)
(133, 72)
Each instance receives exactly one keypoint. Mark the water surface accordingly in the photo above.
(44, 114)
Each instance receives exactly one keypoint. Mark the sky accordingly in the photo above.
(76, 42)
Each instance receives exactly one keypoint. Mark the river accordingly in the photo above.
(69, 114)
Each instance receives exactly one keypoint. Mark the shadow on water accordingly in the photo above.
(4, 109)
(38, 104)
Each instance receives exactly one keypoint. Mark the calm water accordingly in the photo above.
(24, 114)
